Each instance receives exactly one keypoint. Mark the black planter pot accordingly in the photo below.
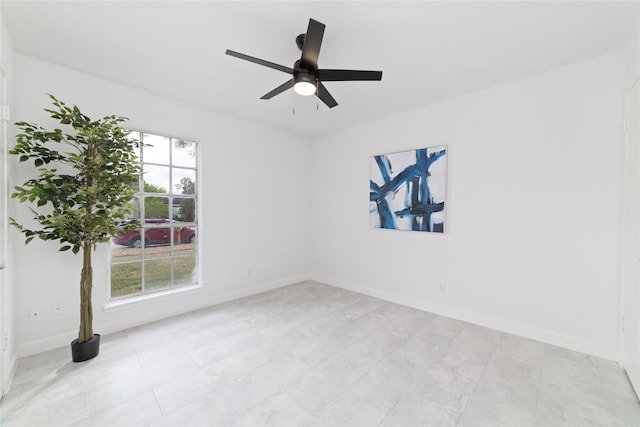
(86, 350)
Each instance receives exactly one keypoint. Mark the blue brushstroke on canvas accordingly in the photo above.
(422, 179)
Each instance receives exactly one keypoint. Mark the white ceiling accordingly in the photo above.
(428, 51)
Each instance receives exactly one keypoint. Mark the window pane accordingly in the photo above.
(129, 238)
(157, 274)
(135, 136)
(184, 181)
(126, 279)
(156, 179)
(135, 213)
(126, 246)
(157, 251)
(156, 149)
(156, 207)
(184, 209)
(184, 271)
(184, 153)
(184, 241)
(135, 185)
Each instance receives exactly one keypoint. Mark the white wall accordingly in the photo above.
(7, 282)
(534, 206)
(255, 207)
(632, 52)
(630, 284)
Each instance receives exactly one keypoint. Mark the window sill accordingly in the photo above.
(125, 303)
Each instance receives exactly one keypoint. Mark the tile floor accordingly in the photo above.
(313, 355)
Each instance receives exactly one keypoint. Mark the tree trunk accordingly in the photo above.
(86, 283)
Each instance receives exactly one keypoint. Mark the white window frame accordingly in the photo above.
(114, 303)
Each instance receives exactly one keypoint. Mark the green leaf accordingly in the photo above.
(86, 201)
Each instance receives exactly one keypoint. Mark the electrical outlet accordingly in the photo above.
(56, 310)
(442, 288)
(5, 342)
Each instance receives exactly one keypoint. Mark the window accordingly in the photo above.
(161, 253)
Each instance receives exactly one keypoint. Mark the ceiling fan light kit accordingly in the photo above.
(306, 83)
(305, 88)
(307, 78)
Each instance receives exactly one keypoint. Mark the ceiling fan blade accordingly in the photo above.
(325, 96)
(279, 90)
(348, 75)
(260, 61)
(311, 47)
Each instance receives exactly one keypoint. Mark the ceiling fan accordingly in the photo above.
(307, 77)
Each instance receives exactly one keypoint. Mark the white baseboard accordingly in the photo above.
(230, 296)
(549, 337)
(46, 344)
(154, 309)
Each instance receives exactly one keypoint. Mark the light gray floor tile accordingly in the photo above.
(509, 389)
(475, 345)
(323, 348)
(209, 410)
(579, 374)
(439, 397)
(276, 410)
(525, 350)
(313, 391)
(488, 411)
(249, 390)
(314, 355)
(44, 364)
(445, 326)
(613, 379)
(118, 391)
(518, 380)
(61, 410)
(424, 348)
(383, 386)
(214, 350)
(390, 318)
(175, 352)
(624, 411)
(363, 306)
(327, 324)
(569, 405)
(197, 383)
(418, 408)
(138, 411)
(347, 409)
(323, 382)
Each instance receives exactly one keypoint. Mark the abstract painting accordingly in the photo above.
(407, 190)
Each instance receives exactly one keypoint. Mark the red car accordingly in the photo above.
(155, 236)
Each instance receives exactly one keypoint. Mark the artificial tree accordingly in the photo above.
(83, 188)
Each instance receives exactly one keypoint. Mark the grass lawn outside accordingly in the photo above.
(126, 279)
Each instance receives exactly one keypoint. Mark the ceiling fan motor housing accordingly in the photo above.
(304, 75)
(300, 41)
